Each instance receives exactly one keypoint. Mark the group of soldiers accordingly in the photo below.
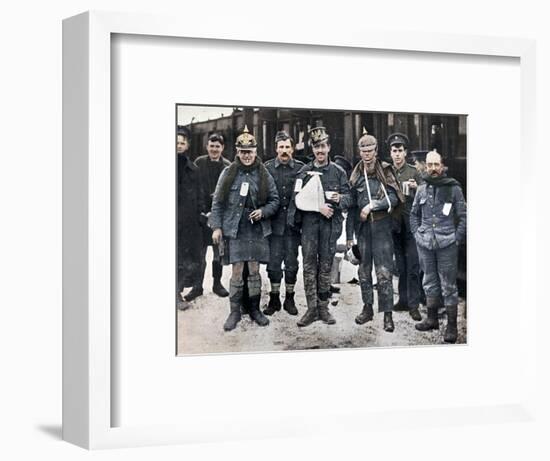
(255, 213)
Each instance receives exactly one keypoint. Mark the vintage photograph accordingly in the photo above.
(302, 229)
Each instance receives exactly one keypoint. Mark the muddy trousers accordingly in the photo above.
(283, 249)
(406, 257)
(440, 269)
(318, 250)
(376, 247)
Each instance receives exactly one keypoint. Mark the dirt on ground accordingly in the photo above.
(200, 328)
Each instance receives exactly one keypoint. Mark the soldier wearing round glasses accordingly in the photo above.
(244, 200)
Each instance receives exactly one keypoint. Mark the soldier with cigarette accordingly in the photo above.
(244, 200)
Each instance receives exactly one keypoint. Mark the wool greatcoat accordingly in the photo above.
(246, 241)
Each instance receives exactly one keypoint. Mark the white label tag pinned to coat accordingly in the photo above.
(447, 208)
(298, 185)
(244, 189)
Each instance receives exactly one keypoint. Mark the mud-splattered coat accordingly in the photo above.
(319, 234)
(374, 236)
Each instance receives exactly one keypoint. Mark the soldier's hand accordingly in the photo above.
(335, 197)
(365, 212)
(349, 243)
(217, 236)
(326, 211)
(412, 183)
(256, 215)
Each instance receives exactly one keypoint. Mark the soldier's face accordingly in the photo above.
(247, 157)
(434, 166)
(367, 152)
(284, 151)
(214, 150)
(182, 144)
(321, 151)
(398, 154)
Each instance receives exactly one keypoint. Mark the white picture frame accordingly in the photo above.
(88, 367)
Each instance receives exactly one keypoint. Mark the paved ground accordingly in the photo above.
(200, 328)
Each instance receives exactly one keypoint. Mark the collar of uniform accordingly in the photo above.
(324, 167)
(278, 164)
(220, 160)
(403, 168)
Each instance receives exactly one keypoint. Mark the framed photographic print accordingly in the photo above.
(207, 136)
(140, 371)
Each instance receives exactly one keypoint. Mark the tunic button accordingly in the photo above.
(433, 225)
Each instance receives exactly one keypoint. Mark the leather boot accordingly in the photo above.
(234, 317)
(451, 332)
(289, 304)
(194, 293)
(400, 306)
(324, 313)
(181, 304)
(256, 313)
(218, 288)
(235, 300)
(366, 315)
(388, 322)
(415, 314)
(432, 321)
(273, 305)
(309, 317)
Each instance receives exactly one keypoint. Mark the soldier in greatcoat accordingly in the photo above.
(244, 201)
(438, 223)
(189, 229)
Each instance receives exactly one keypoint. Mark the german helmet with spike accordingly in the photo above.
(245, 140)
(366, 139)
(317, 135)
